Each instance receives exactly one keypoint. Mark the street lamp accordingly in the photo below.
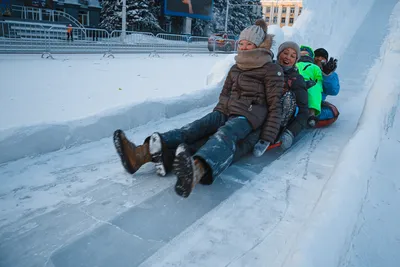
(226, 15)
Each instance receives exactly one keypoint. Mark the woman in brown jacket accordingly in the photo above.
(250, 99)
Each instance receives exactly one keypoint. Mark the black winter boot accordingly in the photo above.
(189, 171)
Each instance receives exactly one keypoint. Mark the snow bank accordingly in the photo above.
(77, 99)
(330, 228)
(34, 140)
(220, 70)
(279, 37)
(330, 25)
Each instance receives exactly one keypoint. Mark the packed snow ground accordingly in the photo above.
(329, 201)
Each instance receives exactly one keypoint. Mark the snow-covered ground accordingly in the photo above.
(46, 105)
(332, 200)
(74, 87)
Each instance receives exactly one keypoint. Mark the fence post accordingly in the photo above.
(153, 53)
(213, 50)
(47, 53)
(187, 54)
(108, 42)
(155, 42)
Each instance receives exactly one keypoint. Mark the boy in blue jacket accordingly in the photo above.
(330, 83)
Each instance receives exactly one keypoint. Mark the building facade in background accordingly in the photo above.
(281, 12)
(87, 12)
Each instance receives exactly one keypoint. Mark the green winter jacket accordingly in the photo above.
(310, 71)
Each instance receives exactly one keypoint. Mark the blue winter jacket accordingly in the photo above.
(330, 84)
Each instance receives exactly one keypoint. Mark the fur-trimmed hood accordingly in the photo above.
(268, 41)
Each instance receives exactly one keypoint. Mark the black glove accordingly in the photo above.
(312, 121)
(309, 84)
(329, 66)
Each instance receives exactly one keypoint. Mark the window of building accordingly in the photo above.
(83, 17)
(292, 10)
(268, 9)
(300, 9)
(276, 9)
(291, 20)
(283, 20)
(284, 10)
(266, 19)
(275, 20)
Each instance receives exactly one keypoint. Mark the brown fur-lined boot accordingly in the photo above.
(188, 171)
(132, 156)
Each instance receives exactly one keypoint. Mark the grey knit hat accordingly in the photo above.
(289, 44)
(254, 33)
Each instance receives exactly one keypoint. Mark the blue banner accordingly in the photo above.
(5, 3)
(197, 9)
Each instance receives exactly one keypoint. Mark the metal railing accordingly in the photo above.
(21, 37)
(40, 13)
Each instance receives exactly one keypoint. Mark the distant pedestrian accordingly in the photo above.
(70, 33)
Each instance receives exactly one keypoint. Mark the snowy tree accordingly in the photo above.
(138, 15)
(146, 15)
(239, 17)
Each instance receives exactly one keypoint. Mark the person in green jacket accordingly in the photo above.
(311, 73)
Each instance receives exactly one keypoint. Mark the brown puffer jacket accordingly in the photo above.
(255, 94)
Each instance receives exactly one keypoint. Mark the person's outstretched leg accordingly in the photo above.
(163, 145)
(216, 155)
(160, 148)
(194, 131)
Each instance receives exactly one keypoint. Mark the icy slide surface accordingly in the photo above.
(329, 201)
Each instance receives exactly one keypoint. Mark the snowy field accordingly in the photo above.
(332, 200)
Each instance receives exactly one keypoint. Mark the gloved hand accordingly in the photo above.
(309, 84)
(329, 66)
(260, 148)
(312, 121)
(287, 138)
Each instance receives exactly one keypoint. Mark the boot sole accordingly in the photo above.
(183, 169)
(118, 136)
(156, 154)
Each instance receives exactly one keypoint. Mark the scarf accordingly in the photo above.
(252, 59)
(287, 69)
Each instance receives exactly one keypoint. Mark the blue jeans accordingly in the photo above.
(246, 145)
(194, 131)
(218, 152)
(212, 138)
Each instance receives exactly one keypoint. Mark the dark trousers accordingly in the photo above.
(218, 152)
(69, 35)
(212, 138)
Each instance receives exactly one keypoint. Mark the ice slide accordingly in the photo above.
(329, 201)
